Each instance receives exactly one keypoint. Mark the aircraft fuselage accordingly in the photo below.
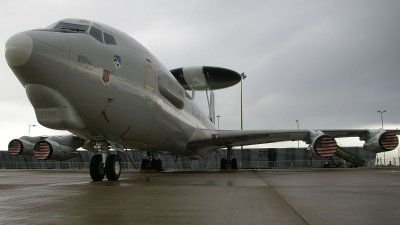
(103, 88)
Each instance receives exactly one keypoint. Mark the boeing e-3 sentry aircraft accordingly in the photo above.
(109, 91)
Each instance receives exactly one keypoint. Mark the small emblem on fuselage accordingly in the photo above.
(106, 77)
(117, 61)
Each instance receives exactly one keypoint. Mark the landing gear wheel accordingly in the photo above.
(234, 164)
(113, 167)
(159, 165)
(223, 164)
(154, 164)
(97, 171)
(143, 166)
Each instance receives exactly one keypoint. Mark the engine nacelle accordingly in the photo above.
(321, 145)
(23, 145)
(57, 148)
(380, 141)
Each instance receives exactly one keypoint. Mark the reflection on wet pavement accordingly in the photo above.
(331, 196)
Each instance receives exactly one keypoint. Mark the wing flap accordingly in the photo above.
(217, 138)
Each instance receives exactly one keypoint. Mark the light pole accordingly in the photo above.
(29, 132)
(298, 127)
(218, 121)
(381, 112)
(243, 76)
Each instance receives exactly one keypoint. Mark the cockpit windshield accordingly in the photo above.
(71, 27)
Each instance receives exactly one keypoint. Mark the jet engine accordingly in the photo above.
(321, 145)
(57, 148)
(23, 145)
(380, 141)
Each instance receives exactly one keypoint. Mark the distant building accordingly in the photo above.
(263, 158)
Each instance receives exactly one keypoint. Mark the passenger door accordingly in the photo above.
(150, 72)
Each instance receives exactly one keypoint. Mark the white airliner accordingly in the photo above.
(109, 91)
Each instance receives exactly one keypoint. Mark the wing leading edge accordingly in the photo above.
(376, 140)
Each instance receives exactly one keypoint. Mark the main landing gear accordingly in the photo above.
(151, 164)
(229, 164)
(104, 164)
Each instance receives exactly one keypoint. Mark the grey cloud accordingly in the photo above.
(329, 64)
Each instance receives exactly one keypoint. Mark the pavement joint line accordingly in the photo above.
(280, 196)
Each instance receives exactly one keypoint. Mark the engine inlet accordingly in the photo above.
(388, 141)
(42, 150)
(325, 146)
(15, 147)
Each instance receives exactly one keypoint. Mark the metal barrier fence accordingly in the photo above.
(190, 165)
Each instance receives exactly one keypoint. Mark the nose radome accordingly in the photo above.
(18, 49)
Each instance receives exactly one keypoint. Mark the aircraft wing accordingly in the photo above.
(224, 138)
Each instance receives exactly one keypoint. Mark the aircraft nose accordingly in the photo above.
(38, 57)
(18, 49)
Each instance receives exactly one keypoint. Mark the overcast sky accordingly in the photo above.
(328, 64)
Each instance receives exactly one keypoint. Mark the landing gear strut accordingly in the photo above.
(104, 164)
(229, 163)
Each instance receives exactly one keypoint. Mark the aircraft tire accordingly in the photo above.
(154, 164)
(97, 171)
(223, 163)
(113, 167)
(159, 165)
(234, 164)
(143, 166)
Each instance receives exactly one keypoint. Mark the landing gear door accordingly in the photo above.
(150, 72)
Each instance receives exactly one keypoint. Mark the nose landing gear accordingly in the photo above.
(104, 164)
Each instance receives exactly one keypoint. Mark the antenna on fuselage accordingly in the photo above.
(206, 78)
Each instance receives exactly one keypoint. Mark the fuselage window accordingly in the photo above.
(96, 33)
(71, 26)
(109, 39)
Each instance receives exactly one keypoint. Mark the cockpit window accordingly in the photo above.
(52, 25)
(71, 27)
(109, 39)
(96, 33)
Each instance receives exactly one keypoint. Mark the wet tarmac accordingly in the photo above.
(313, 196)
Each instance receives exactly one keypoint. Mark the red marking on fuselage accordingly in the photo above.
(105, 116)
